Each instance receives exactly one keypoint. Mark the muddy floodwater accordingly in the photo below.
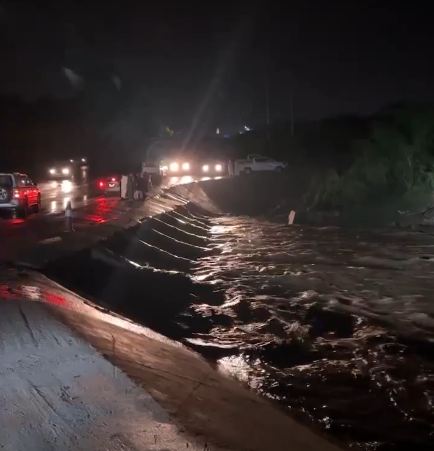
(334, 325)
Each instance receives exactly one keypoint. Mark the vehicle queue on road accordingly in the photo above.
(20, 195)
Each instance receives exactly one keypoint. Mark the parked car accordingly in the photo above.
(107, 185)
(256, 163)
(18, 193)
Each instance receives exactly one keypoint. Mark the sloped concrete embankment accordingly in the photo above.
(145, 274)
(145, 271)
(265, 194)
(60, 392)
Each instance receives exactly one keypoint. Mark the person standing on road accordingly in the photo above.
(130, 187)
(138, 190)
(124, 187)
(150, 186)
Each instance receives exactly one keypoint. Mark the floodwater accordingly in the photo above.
(337, 326)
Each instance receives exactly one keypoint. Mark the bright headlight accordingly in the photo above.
(174, 166)
(185, 166)
(205, 168)
(218, 168)
(65, 171)
(52, 171)
(66, 186)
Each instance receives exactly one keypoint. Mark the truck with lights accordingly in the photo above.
(179, 164)
(182, 165)
(74, 169)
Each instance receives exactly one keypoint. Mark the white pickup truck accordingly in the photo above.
(256, 163)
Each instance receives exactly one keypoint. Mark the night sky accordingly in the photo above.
(190, 59)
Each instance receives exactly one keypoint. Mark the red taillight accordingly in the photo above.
(101, 184)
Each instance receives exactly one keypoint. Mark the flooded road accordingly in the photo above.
(335, 325)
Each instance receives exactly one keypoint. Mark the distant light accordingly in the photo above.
(83, 160)
(217, 132)
(218, 168)
(53, 206)
(247, 128)
(174, 166)
(186, 179)
(52, 171)
(71, 161)
(113, 179)
(65, 171)
(205, 168)
(185, 166)
(66, 186)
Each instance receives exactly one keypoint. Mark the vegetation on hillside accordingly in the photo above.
(392, 167)
(378, 165)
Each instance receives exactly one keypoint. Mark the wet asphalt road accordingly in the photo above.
(55, 196)
(90, 207)
(18, 233)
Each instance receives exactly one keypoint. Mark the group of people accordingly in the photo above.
(135, 186)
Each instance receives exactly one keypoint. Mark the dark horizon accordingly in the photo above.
(198, 64)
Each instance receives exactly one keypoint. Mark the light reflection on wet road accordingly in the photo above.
(90, 207)
(56, 195)
(184, 180)
(17, 234)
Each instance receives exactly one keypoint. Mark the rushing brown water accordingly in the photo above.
(335, 325)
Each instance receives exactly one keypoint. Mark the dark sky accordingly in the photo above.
(194, 59)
